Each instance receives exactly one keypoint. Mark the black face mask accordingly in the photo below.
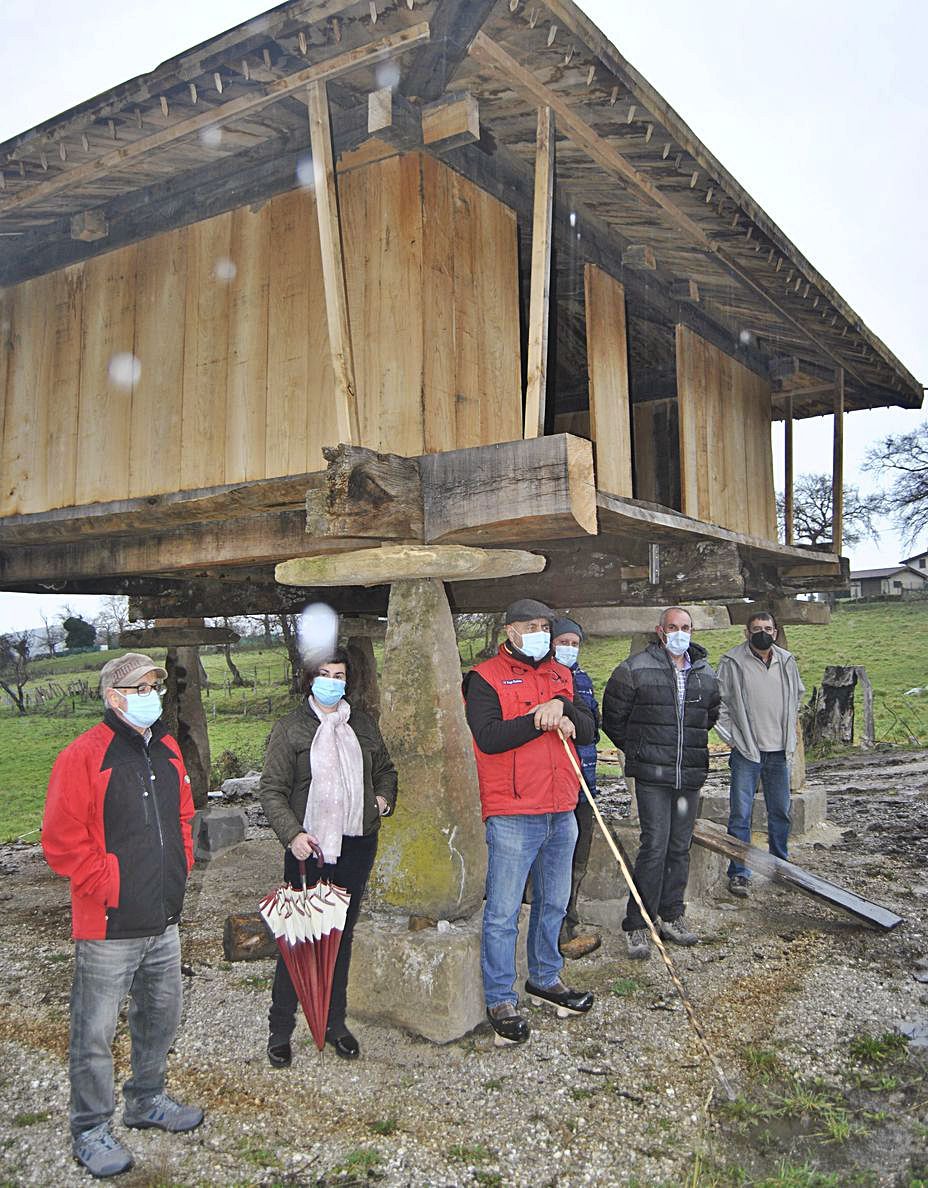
(761, 641)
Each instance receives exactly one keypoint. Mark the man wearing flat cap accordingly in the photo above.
(520, 708)
(117, 825)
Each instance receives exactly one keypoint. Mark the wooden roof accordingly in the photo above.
(225, 123)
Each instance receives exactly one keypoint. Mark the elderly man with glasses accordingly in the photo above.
(117, 825)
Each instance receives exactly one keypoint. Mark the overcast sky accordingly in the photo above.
(817, 107)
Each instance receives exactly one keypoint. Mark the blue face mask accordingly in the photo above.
(677, 642)
(142, 709)
(566, 654)
(328, 690)
(536, 644)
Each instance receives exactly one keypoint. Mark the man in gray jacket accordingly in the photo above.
(761, 691)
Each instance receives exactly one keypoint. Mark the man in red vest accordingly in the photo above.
(519, 706)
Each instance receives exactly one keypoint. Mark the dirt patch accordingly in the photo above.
(802, 1004)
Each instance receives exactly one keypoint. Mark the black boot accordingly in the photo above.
(279, 1052)
(567, 1001)
(508, 1024)
(343, 1042)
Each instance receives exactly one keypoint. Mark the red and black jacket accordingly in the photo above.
(117, 824)
(522, 769)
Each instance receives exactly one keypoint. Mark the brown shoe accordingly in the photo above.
(580, 946)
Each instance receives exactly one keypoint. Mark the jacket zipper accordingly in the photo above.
(154, 801)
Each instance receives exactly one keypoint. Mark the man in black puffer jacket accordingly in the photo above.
(658, 709)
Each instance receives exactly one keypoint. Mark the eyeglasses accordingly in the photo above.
(143, 689)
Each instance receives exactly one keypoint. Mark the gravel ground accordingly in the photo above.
(788, 992)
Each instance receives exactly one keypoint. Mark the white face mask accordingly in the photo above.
(566, 654)
(536, 644)
(676, 642)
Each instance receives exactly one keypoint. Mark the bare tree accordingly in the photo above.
(14, 668)
(53, 634)
(113, 617)
(288, 630)
(812, 512)
(237, 679)
(903, 458)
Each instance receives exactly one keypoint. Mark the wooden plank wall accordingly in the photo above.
(726, 458)
(656, 457)
(607, 364)
(226, 319)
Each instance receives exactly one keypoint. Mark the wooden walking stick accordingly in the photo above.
(655, 934)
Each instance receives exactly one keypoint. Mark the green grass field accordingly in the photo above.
(890, 641)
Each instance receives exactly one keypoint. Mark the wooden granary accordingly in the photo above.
(463, 241)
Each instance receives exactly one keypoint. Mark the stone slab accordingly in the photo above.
(246, 785)
(216, 829)
(427, 982)
(809, 808)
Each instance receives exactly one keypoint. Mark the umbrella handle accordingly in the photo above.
(317, 854)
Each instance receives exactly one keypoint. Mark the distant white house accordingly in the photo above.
(894, 581)
(919, 561)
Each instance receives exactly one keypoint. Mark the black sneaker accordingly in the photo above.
(740, 886)
(567, 1001)
(508, 1024)
(280, 1054)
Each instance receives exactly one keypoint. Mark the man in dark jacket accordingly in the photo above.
(117, 824)
(658, 709)
(520, 706)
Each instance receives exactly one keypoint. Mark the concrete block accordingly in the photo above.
(216, 829)
(427, 982)
(809, 808)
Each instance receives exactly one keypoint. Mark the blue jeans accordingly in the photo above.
(146, 968)
(773, 773)
(542, 844)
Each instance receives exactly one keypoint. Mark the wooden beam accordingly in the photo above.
(176, 637)
(786, 610)
(541, 489)
(89, 226)
(713, 837)
(367, 55)
(539, 300)
(577, 129)
(788, 509)
(639, 255)
(367, 494)
(451, 121)
(398, 563)
(837, 467)
(454, 23)
(333, 265)
(685, 290)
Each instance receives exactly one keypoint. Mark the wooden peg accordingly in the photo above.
(112, 127)
(569, 55)
(513, 5)
(666, 151)
(552, 33)
(750, 232)
(590, 75)
(138, 117)
(85, 143)
(694, 179)
(193, 92)
(649, 132)
(631, 113)
(614, 96)
(2, 181)
(62, 151)
(734, 220)
(217, 80)
(301, 39)
(533, 18)
(43, 161)
(246, 69)
(373, 7)
(410, 4)
(336, 30)
(164, 107)
(266, 55)
(709, 194)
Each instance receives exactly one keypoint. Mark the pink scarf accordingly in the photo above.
(335, 806)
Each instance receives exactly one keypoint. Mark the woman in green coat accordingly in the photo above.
(327, 781)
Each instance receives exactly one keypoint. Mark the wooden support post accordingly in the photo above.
(185, 716)
(837, 468)
(333, 264)
(788, 512)
(541, 276)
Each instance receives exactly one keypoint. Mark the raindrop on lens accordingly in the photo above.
(387, 74)
(681, 806)
(124, 370)
(224, 269)
(211, 136)
(304, 172)
(745, 337)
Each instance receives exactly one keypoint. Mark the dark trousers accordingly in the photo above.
(351, 871)
(667, 817)
(584, 815)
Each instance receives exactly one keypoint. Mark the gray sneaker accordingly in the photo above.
(164, 1113)
(100, 1153)
(739, 885)
(639, 944)
(677, 931)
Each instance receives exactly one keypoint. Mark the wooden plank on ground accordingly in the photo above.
(713, 837)
(539, 303)
(607, 363)
(333, 266)
(158, 399)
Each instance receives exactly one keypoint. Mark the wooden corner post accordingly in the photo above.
(333, 264)
(788, 512)
(837, 468)
(541, 276)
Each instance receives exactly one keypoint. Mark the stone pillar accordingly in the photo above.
(365, 691)
(185, 716)
(432, 856)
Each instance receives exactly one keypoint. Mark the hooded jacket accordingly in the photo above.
(521, 769)
(734, 724)
(117, 824)
(641, 714)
